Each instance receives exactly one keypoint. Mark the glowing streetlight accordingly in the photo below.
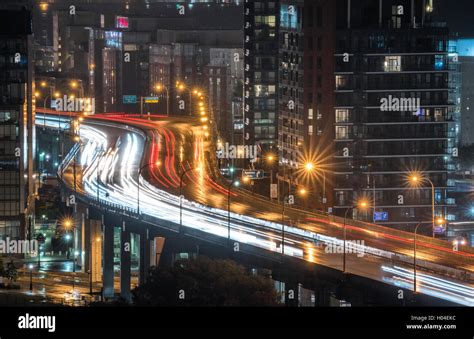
(160, 88)
(362, 204)
(309, 166)
(286, 200)
(67, 224)
(416, 179)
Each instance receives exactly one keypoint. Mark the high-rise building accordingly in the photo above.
(364, 97)
(261, 22)
(17, 133)
(223, 78)
(393, 113)
(465, 52)
(306, 96)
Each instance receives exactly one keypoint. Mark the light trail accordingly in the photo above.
(117, 183)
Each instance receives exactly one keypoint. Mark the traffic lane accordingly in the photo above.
(242, 207)
(207, 195)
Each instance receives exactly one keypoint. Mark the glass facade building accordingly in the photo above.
(393, 111)
(16, 124)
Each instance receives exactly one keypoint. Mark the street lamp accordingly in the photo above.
(310, 167)
(302, 192)
(99, 158)
(414, 257)
(270, 158)
(68, 225)
(161, 88)
(75, 254)
(182, 87)
(235, 183)
(362, 204)
(30, 267)
(181, 178)
(157, 164)
(440, 221)
(416, 179)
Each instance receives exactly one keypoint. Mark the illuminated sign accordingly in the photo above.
(381, 216)
(129, 99)
(151, 100)
(122, 22)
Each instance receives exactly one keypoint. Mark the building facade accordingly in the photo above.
(17, 133)
(392, 112)
(306, 96)
(261, 23)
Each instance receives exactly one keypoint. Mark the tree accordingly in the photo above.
(205, 282)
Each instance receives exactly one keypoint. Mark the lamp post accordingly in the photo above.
(285, 199)
(363, 205)
(74, 255)
(283, 225)
(309, 168)
(68, 224)
(182, 87)
(414, 257)
(30, 267)
(415, 180)
(270, 159)
(440, 221)
(99, 158)
(157, 164)
(160, 88)
(181, 196)
(229, 187)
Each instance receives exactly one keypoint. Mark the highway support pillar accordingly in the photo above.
(292, 294)
(157, 245)
(144, 257)
(95, 245)
(125, 263)
(108, 270)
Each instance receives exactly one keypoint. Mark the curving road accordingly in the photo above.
(114, 148)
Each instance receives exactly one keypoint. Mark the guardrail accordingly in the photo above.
(329, 219)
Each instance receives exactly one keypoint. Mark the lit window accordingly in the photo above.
(439, 62)
(342, 132)
(393, 64)
(341, 81)
(342, 115)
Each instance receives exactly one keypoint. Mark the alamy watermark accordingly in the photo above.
(10, 246)
(393, 104)
(352, 247)
(227, 151)
(71, 104)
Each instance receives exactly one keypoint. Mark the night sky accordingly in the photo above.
(459, 14)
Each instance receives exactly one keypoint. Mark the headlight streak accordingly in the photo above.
(244, 229)
(435, 286)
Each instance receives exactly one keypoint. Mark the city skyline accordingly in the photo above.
(237, 153)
